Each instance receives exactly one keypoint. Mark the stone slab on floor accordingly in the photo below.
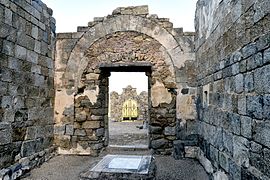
(122, 167)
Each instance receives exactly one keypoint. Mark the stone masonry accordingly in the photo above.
(233, 74)
(128, 40)
(117, 101)
(27, 41)
(209, 91)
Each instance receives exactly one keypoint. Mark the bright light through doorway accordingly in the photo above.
(120, 80)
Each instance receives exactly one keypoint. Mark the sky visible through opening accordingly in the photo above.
(120, 80)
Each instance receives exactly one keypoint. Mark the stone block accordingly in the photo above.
(235, 68)
(5, 133)
(100, 132)
(239, 83)
(266, 107)
(241, 151)
(249, 50)
(261, 132)
(69, 129)
(242, 105)
(20, 52)
(227, 141)
(91, 124)
(169, 131)
(224, 161)
(159, 143)
(246, 126)
(255, 147)
(266, 55)
(8, 16)
(249, 82)
(155, 129)
(254, 61)
(261, 80)
(59, 129)
(255, 107)
(234, 170)
(28, 148)
(214, 155)
(80, 132)
(32, 57)
(8, 48)
(191, 151)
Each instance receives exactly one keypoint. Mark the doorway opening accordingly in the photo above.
(128, 115)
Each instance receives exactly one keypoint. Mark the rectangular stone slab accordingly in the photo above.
(123, 164)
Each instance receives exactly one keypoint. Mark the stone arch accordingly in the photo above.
(84, 113)
(122, 23)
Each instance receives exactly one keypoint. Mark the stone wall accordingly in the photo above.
(117, 101)
(27, 32)
(233, 72)
(128, 40)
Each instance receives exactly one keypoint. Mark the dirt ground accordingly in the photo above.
(127, 134)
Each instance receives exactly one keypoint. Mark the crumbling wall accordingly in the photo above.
(129, 38)
(27, 32)
(233, 73)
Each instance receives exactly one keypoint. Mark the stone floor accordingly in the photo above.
(70, 167)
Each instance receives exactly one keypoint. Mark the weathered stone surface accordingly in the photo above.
(255, 106)
(246, 126)
(27, 91)
(169, 131)
(159, 143)
(261, 132)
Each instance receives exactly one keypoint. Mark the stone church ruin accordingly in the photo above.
(208, 97)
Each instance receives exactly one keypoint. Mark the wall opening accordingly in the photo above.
(128, 114)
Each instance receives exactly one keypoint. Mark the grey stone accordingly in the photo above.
(8, 16)
(224, 161)
(239, 83)
(242, 105)
(155, 129)
(8, 48)
(14, 63)
(227, 141)
(69, 129)
(80, 132)
(100, 132)
(266, 107)
(255, 106)
(59, 130)
(20, 52)
(169, 131)
(241, 151)
(261, 132)
(32, 57)
(249, 50)
(28, 148)
(266, 56)
(234, 170)
(249, 83)
(254, 61)
(5, 133)
(246, 126)
(235, 68)
(261, 80)
(159, 143)
(255, 147)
